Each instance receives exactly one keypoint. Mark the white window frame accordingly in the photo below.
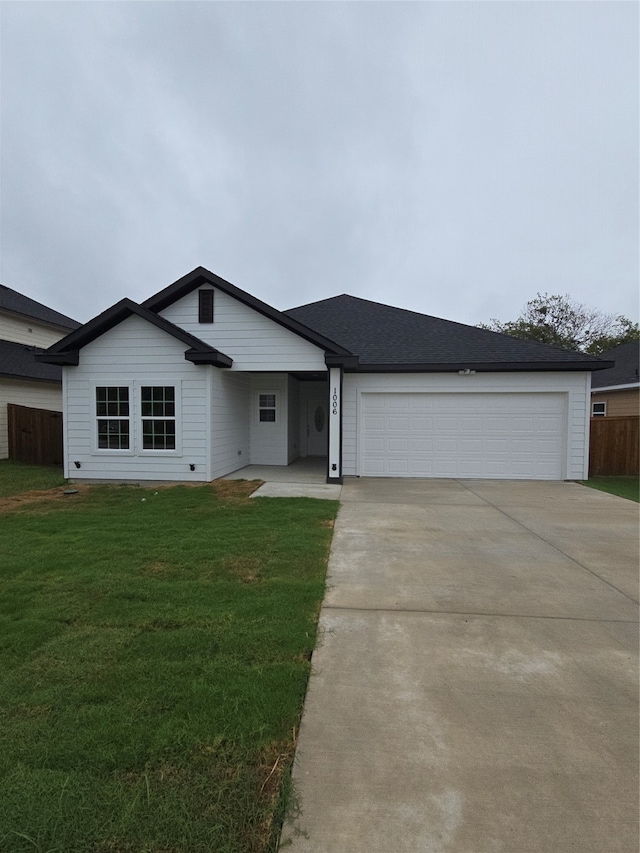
(601, 414)
(95, 418)
(274, 408)
(176, 384)
(135, 417)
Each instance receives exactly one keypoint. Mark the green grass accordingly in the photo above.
(15, 477)
(154, 656)
(624, 487)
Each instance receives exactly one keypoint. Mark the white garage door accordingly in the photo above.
(503, 436)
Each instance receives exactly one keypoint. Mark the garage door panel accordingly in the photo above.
(490, 435)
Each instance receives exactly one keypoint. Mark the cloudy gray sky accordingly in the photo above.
(453, 158)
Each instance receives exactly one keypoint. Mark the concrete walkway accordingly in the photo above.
(476, 686)
(304, 478)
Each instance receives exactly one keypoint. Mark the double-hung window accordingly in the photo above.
(158, 412)
(137, 418)
(112, 417)
(267, 408)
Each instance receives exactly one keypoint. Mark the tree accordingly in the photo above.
(562, 322)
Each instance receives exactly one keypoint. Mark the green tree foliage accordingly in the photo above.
(562, 322)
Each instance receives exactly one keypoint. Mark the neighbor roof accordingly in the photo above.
(17, 361)
(17, 303)
(384, 337)
(625, 371)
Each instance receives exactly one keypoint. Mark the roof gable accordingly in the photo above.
(199, 276)
(67, 350)
(16, 303)
(388, 338)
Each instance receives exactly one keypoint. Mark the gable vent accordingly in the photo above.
(205, 306)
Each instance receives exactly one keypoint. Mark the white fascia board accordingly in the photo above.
(616, 387)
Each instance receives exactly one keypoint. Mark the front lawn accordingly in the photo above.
(154, 656)
(624, 487)
(16, 477)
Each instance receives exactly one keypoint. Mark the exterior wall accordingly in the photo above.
(253, 341)
(269, 441)
(29, 332)
(619, 403)
(37, 395)
(136, 352)
(230, 405)
(293, 418)
(575, 385)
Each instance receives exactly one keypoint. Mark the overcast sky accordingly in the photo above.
(452, 158)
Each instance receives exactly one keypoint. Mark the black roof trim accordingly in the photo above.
(69, 347)
(218, 359)
(484, 367)
(70, 357)
(348, 362)
(200, 276)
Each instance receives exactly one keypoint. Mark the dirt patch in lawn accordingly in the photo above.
(38, 496)
(236, 491)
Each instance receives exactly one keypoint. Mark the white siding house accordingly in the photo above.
(204, 379)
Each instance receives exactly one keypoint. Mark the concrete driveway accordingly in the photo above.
(476, 686)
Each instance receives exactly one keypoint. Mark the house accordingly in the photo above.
(203, 379)
(615, 392)
(28, 327)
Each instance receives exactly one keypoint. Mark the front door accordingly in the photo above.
(317, 427)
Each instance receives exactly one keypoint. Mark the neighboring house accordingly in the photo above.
(203, 379)
(615, 392)
(28, 327)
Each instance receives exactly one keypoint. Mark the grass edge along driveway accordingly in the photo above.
(154, 657)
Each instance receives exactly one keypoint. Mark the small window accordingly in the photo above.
(598, 410)
(205, 306)
(158, 410)
(112, 413)
(267, 408)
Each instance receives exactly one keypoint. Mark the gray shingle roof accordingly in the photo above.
(384, 335)
(17, 362)
(17, 303)
(625, 372)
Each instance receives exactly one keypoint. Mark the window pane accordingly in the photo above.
(113, 435)
(158, 435)
(267, 415)
(112, 401)
(157, 401)
(267, 401)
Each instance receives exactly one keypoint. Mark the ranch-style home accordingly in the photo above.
(203, 379)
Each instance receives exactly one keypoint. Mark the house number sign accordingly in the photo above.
(334, 401)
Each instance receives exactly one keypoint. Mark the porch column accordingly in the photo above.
(334, 473)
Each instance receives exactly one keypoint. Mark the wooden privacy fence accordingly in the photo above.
(613, 450)
(35, 435)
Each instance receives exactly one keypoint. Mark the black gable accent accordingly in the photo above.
(66, 350)
(393, 339)
(200, 276)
